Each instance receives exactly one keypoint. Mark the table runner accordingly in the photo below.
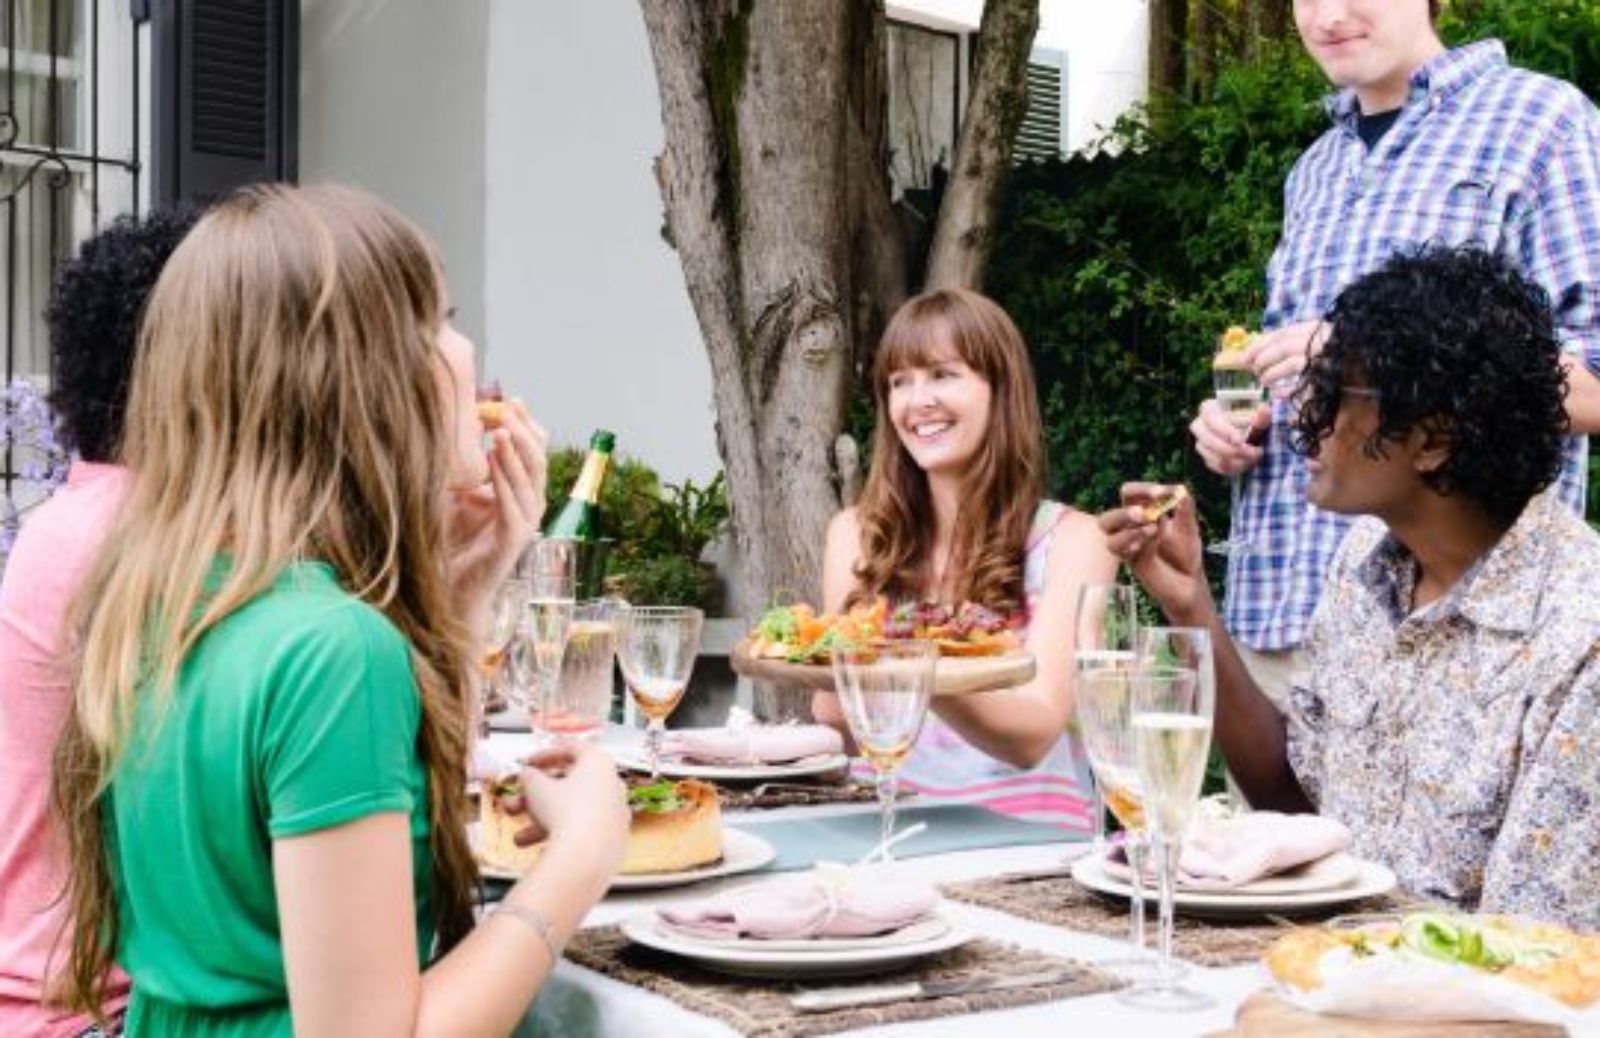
(761, 1009)
(1058, 900)
(802, 842)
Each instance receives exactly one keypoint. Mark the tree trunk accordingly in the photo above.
(1275, 20)
(770, 218)
(995, 106)
(1206, 42)
(774, 178)
(1169, 21)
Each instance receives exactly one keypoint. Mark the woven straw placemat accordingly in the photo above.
(795, 794)
(761, 1009)
(1059, 901)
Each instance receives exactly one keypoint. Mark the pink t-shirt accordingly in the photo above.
(53, 552)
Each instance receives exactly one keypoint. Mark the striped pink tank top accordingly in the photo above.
(945, 768)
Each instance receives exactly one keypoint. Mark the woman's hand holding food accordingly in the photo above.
(575, 800)
(489, 526)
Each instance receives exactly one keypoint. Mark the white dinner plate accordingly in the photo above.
(821, 958)
(741, 852)
(626, 746)
(1371, 880)
(1330, 873)
(806, 767)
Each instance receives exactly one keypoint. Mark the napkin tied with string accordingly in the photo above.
(804, 907)
(756, 744)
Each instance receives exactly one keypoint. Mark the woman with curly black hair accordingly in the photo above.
(1450, 703)
(93, 315)
(95, 305)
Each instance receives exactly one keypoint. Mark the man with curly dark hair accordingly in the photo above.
(94, 314)
(1448, 711)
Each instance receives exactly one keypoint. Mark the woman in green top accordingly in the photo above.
(262, 778)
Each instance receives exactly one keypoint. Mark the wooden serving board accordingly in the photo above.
(954, 675)
(1265, 1015)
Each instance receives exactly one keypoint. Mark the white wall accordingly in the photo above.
(588, 317)
(391, 100)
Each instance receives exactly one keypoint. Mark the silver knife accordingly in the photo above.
(824, 1000)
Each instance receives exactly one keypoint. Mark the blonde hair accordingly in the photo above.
(285, 405)
(1004, 481)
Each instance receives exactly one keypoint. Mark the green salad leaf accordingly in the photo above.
(1458, 939)
(779, 625)
(658, 798)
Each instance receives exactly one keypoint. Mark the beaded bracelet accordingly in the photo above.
(532, 917)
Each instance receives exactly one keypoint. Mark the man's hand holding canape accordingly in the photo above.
(1160, 542)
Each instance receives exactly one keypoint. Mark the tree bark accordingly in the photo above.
(771, 219)
(1169, 24)
(995, 106)
(1206, 42)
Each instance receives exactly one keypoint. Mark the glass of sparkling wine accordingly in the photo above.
(1105, 713)
(657, 646)
(1241, 396)
(505, 613)
(884, 690)
(550, 568)
(1106, 627)
(1172, 714)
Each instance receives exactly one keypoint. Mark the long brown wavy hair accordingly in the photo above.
(286, 404)
(1004, 481)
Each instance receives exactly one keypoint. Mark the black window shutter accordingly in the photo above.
(226, 95)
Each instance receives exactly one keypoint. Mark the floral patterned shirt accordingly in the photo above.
(1461, 741)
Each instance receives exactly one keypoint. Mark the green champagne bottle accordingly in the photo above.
(579, 518)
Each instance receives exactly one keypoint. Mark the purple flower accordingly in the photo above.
(33, 455)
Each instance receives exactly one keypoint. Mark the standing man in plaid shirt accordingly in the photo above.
(1427, 145)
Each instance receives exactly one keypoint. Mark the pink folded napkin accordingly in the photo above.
(1228, 853)
(803, 907)
(756, 744)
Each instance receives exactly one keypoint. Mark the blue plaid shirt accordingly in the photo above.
(1481, 151)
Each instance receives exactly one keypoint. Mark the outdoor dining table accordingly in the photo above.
(578, 1001)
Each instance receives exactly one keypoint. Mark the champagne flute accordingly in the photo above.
(1180, 648)
(1172, 715)
(884, 690)
(657, 646)
(550, 568)
(1106, 629)
(505, 613)
(1105, 712)
(1240, 395)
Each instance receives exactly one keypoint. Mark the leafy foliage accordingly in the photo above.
(1123, 265)
(658, 532)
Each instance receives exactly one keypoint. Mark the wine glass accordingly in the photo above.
(1180, 648)
(1172, 716)
(1240, 395)
(550, 569)
(1105, 713)
(1106, 626)
(884, 690)
(657, 646)
(505, 614)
